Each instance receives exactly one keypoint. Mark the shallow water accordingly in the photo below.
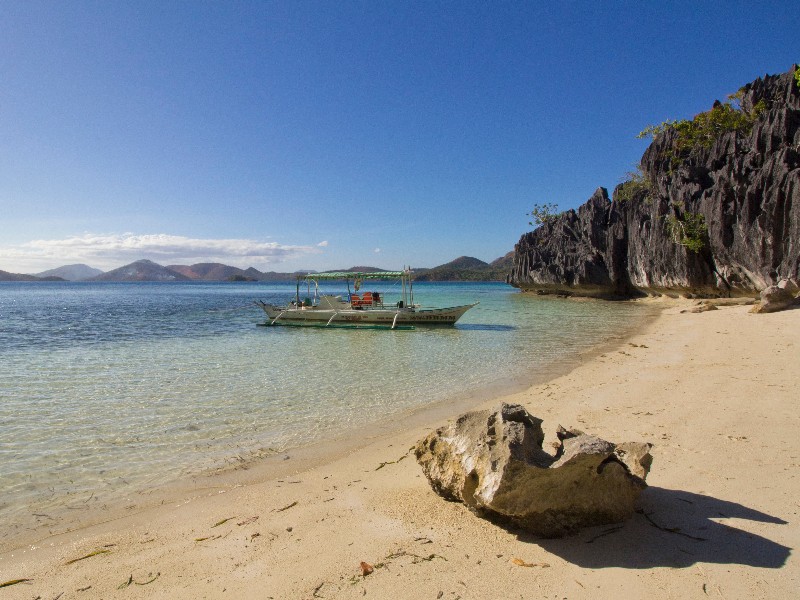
(109, 388)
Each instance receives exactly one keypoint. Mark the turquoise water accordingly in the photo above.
(110, 388)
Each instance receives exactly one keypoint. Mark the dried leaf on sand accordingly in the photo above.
(91, 554)
(13, 582)
(521, 563)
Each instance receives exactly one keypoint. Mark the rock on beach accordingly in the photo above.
(493, 461)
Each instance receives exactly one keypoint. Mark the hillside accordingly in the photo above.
(464, 268)
(211, 272)
(504, 263)
(79, 272)
(6, 276)
(141, 270)
(361, 269)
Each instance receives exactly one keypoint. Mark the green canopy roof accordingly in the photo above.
(356, 275)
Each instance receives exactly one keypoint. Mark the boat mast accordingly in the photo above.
(411, 285)
(403, 282)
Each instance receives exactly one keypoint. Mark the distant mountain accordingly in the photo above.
(504, 262)
(463, 268)
(142, 270)
(361, 270)
(78, 272)
(253, 273)
(466, 268)
(465, 262)
(6, 276)
(257, 275)
(220, 272)
(213, 272)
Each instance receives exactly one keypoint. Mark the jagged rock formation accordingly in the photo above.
(746, 186)
(493, 461)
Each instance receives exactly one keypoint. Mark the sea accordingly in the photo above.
(110, 389)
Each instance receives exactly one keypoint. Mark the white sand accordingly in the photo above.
(716, 393)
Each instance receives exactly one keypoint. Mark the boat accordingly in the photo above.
(356, 309)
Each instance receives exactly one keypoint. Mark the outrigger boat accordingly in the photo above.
(369, 310)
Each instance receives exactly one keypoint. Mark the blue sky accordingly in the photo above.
(299, 134)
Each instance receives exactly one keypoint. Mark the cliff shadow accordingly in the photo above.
(673, 528)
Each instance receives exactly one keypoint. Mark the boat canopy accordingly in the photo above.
(356, 275)
(359, 277)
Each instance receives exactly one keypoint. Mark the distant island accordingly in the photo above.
(6, 276)
(467, 268)
(70, 273)
(464, 268)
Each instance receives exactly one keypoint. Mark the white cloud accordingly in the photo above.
(377, 250)
(323, 244)
(114, 250)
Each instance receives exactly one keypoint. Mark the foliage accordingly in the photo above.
(797, 76)
(705, 128)
(543, 213)
(689, 230)
(636, 184)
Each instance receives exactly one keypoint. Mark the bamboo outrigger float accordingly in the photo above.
(369, 310)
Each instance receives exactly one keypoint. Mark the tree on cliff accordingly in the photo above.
(543, 213)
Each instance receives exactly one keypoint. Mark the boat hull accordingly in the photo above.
(368, 316)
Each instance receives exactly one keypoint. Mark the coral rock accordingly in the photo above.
(493, 462)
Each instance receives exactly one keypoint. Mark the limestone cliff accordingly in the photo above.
(742, 186)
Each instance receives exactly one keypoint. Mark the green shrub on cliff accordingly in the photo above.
(543, 213)
(689, 230)
(705, 128)
(797, 76)
(637, 184)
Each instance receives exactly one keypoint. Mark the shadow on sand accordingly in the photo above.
(674, 529)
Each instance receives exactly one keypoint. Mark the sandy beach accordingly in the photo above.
(715, 393)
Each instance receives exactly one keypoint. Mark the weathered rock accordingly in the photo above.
(701, 308)
(741, 301)
(493, 462)
(746, 187)
(790, 285)
(636, 456)
(773, 299)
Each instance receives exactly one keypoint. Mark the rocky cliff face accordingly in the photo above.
(745, 185)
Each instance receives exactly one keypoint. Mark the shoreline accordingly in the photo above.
(311, 525)
(77, 513)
